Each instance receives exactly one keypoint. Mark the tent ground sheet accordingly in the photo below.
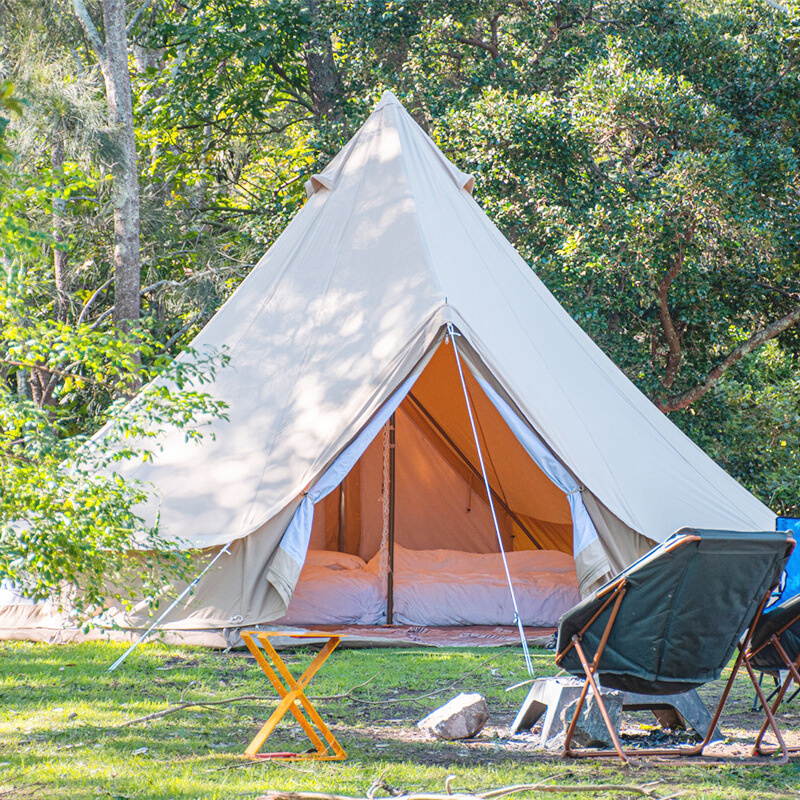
(412, 635)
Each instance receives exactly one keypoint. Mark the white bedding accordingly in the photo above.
(335, 589)
(448, 587)
(434, 588)
(456, 562)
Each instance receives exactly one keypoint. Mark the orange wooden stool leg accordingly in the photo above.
(293, 699)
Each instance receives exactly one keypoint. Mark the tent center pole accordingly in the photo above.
(342, 518)
(390, 570)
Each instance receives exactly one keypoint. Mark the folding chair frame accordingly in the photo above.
(778, 681)
(616, 592)
(293, 698)
(769, 711)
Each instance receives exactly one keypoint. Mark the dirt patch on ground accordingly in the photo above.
(739, 726)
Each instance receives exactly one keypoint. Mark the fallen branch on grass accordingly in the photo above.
(19, 792)
(193, 704)
(503, 791)
(239, 699)
(645, 790)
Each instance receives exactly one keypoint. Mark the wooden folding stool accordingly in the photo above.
(293, 698)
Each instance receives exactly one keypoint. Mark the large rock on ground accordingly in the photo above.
(462, 718)
(590, 730)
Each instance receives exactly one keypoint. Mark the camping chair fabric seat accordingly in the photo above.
(765, 657)
(684, 611)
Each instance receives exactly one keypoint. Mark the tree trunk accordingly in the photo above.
(127, 269)
(41, 386)
(59, 225)
(23, 384)
(324, 82)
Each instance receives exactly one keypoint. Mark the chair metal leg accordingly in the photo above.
(698, 749)
(769, 712)
(744, 647)
(603, 710)
(755, 705)
(771, 722)
(793, 695)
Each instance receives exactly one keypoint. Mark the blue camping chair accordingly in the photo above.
(787, 588)
(789, 585)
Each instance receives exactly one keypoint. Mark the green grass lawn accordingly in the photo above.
(62, 734)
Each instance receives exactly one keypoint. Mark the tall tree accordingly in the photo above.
(324, 82)
(68, 523)
(112, 55)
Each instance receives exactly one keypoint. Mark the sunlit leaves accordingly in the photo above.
(11, 105)
(664, 143)
(68, 522)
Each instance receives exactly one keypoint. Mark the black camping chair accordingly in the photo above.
(671, 622)
(775, 646)
(786, 590)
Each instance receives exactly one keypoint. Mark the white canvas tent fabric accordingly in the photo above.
(348, 305)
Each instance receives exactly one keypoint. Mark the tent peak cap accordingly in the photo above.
(396, 130)
(387, 99)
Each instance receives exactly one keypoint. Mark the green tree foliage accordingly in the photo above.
(68, 522)
(642, 156)
(655, 190)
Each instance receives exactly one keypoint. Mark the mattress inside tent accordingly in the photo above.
(448, 570)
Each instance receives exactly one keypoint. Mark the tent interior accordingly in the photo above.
(440, 496)
(447, 568)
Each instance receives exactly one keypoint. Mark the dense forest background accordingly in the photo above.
(642, 156)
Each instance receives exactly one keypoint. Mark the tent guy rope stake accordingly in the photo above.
(174, 603)
(451, 333)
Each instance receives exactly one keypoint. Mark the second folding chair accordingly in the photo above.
(774, 648)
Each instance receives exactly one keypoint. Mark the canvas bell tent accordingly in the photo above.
(349, 436)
